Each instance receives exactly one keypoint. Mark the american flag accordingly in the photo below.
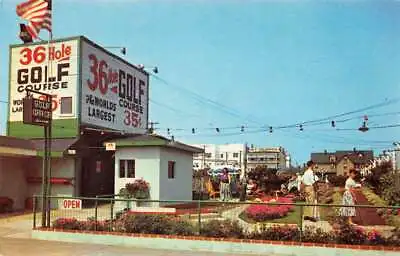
(37, 13)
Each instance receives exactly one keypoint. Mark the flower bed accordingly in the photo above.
(167, 225)
(260, 213)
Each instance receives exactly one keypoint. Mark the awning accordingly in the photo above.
(11, 146)
(58, 146)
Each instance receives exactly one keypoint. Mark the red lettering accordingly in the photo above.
(65, 203)
(56, 54)
(68, 50)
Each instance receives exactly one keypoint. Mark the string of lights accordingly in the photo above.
(244, 128)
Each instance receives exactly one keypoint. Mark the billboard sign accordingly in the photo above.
(30, 69)
(36, 111)
(114, 94)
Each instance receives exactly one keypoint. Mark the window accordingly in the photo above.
(208, 155)
(127, 168)
(131, 168)
(171, 170)
(66, 105)
(235, 155)
(122, 168)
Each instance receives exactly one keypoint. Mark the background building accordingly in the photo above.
(272, 158)
(216, 156)
(165, 164)
(340, 162)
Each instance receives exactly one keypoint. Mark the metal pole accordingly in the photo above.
(199, 217)
(95, 214)
(301, 222)
(34, 211)
(111, 214)
(49, 98)
(49, 169)
(44, 179)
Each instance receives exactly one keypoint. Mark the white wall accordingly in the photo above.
(147, 166)
(60, 168)
(179, 188)
(215, 160)
(13, 181)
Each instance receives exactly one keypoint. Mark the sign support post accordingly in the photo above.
(39, 112)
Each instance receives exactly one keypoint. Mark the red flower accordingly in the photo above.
(266, 212)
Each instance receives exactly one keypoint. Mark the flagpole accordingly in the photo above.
(48, 133)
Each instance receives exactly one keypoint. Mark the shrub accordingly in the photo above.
(390, 188)
(374, 178)
(317, 235)
(139, 189)
(91, 225)
(337, 180)
(394, 239)
(280, 233)
(154, 224)
(375, 238)
(347, 234)
(265, 212)
(6, 204)
(224, 228)
(67, 223)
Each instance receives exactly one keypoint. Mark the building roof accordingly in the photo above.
(357, 157)
(154, 141)
(13, 142)
(57, 145)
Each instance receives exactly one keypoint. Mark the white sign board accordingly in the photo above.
(29, 70)
(71, 204)
(115, 94)
(110, 146)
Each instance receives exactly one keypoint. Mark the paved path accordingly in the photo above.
(15, 240)
(18, 246)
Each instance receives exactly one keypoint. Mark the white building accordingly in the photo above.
(272, 158)
(220, 155)
(165, 164)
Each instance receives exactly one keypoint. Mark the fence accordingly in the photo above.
(251, 220)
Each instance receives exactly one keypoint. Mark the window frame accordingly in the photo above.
(171, 170)
(72, 106)
(123, 169)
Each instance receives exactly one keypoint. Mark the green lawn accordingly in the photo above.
(327, 213)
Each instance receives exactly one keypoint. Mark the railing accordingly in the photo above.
(252, 220)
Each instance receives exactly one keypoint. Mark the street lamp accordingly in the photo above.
(153, 68)
(121, 48)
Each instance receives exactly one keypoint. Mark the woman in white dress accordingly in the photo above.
(348, 197)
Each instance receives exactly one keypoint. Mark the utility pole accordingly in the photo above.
(151, 129)
(204, 157)
(240, 160)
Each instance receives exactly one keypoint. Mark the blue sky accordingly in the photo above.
(270, 63)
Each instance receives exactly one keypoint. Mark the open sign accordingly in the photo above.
(69, 204)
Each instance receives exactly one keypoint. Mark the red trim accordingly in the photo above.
(234, 240)
(58, 181)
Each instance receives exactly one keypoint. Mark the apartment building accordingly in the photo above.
(272, 158)
(215, 156)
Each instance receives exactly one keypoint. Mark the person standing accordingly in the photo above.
(349, 198)
(308, 180)
(243, 187)
(225, 185)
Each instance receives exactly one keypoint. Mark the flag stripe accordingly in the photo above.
(38, 14)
